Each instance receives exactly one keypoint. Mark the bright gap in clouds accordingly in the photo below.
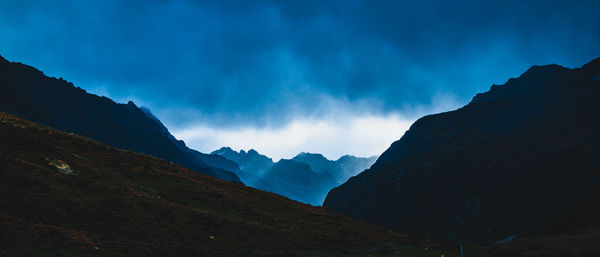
(340, 133)
(359, 135)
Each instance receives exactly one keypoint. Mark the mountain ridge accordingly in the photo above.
(28, 93)
(306, 177)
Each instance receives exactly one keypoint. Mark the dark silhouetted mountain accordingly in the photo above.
(306, 178)
(512, 162)
(69, 195)
(28, 93)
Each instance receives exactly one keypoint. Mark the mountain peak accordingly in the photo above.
(530, 84)
(310, 155)
(222, 150)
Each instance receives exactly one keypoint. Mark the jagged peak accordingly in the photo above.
(224, 149)
(534, 73)
(541, 70)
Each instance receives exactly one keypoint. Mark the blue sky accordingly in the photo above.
(282, 77)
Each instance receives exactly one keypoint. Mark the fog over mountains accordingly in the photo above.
(519, 161)
(307, 177)
(277, 128)
(28, 93)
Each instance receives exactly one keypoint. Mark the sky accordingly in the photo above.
(283, 77)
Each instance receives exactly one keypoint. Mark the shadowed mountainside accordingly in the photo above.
(521, 159)
(68, 195)
(27, 93)
(307, 177)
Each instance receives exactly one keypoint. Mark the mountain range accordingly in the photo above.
(515, 171)
(521, 160)
(27, 93)
(307, 177)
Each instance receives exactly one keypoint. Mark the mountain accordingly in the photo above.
(340, 169)
(519, 160)
(297, 181)
(316, 161)
(29, 94)
(68, 195)
(307, 177)
(252, 165)
(349, 166)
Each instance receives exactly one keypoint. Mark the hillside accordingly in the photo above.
(27, 93)
(520, 160)
(68, 195)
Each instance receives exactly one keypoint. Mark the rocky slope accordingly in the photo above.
(521, 159)
(28, 93)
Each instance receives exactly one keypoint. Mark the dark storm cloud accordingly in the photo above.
(257, 61)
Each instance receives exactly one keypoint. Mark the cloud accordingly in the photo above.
(360, 136)
(267, 64)
(341, 132)
(246, 59)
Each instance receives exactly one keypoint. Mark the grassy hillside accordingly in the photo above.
(68, 195)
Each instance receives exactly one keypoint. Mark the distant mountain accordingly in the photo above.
(349, 166)
(307, 177)
(316, 161)
(340, 169)
(252, 165)
(69, 195)
(29, 94)
(297, 181)
(521, 159)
